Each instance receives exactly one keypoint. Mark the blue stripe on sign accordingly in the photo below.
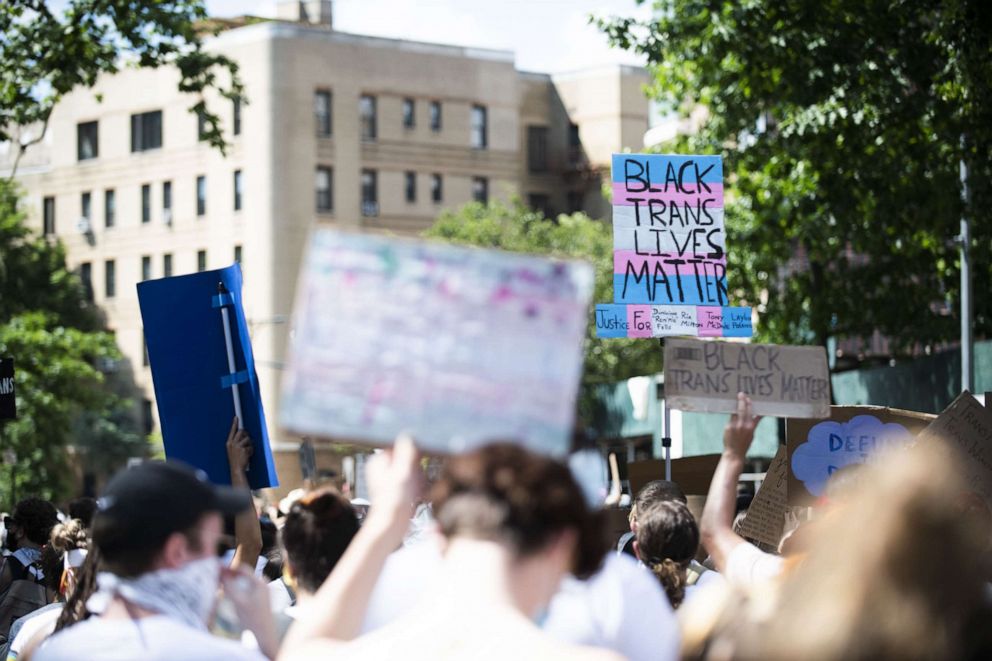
(611, 321)
(701, 291)
(737, 322)
(638, 165)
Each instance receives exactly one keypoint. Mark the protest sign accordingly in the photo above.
(765, 517)
(184, 333)
(669, 250)
(692, 474)
(966, 427)
(8, 403)
(851, 435)
(456, 346)
(781, 380)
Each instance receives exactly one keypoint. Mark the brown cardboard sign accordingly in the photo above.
(818, 448)
(966, 426)
(692, 474)
(765, 517)
(785, 381)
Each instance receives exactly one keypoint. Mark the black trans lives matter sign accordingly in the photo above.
(8, 408)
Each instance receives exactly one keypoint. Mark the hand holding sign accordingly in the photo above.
(739, 432)
(239, 448)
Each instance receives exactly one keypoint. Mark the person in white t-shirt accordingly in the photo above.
(738, 560)
(156, 532)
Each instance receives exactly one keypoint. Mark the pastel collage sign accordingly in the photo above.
(456, 346)
(669, 250)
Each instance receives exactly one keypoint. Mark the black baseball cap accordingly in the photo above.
(144, 504)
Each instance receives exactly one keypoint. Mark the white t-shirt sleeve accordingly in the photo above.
(748, 565)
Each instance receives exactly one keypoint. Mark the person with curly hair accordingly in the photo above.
(667, 541)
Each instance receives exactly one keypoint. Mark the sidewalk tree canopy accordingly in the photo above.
(842, 126)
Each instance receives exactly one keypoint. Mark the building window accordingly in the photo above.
(575, 201)
(146, 203)
(146, 131)
(48, 213)
(480, 190)
(370, 193)
(574, 144)
(109, 278)
(201, 261)
(366, 111)
(322, 112)
(147, 421)
(201, 195)
(87, 145)
(324, 187)
(410, 186)
(436, 188)
(539, 202)
(237, 254)
(109, 208)
(86, 205)
(409, 114)
(146, 267)
(86, 276)
(237, 190)
(167, 202)
(480, 127)
(537, 148)
(201, 125)
(435, 116)
(237, 116)
(166, 265)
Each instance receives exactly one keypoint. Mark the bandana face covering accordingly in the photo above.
(186, 594)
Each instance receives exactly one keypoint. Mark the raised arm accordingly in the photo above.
(247, 529)
(716, 525)
(336, 613)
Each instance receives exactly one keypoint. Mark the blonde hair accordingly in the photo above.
(69, 536)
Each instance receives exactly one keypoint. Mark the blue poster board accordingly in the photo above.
(184, 334)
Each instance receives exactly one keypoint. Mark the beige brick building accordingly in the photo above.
(358, 132)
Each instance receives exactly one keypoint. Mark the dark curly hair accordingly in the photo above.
(36, 518)
(504, 493)
(318, 529)
(667, 540)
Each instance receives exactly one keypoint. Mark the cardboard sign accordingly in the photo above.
(784, 381)
(456, 346)
(692, 474)
(669, 250)
(184, 333)
(765, 518)
(852, 434)
(966, 426)
(8, 403)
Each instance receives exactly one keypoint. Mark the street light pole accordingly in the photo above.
(967, 303)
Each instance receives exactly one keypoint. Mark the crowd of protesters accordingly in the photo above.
(500, 554)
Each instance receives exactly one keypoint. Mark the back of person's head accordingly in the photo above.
(657, 491)
(83, 508)
(145, 505)
(315, 534)
(505, 493)
(35, 518)
(70, 535)
(667, 540)
(894, 571)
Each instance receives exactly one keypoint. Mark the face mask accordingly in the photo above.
(186, 593)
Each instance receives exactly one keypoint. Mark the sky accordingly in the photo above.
(549, 36)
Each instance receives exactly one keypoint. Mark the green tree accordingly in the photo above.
(842, 125)
(61, 361)
(576, 236)
(45, 54)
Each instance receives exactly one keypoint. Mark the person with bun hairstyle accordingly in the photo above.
(667, 541)
(513, 525)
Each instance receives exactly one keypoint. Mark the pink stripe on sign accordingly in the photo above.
(639, 321)
(622, 197)
(621, 258)
(710, 321)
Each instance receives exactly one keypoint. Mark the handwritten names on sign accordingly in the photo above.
(669, 250)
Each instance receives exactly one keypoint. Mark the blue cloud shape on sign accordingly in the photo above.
(832, 445)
